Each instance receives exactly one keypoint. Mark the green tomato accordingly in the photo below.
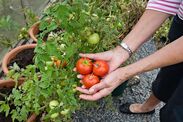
(108, 19)
(61, 103)
(62, 47)
(64, 112)
(94, 38)
(54, 115)
(23, 29)
(88, 31)
(53, 104)
(119, 25)
(20, 36)
(49, 63)
(74, 90)
(45, 68)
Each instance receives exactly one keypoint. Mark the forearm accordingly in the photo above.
(147, 25)
(168, 55)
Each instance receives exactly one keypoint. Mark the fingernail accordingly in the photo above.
(80, 96)
(91, 90)
(78, 76)
(74, 69)
(80, 54)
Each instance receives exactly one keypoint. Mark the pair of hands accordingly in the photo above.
(115, 58)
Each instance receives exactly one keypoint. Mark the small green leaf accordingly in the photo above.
(43, 25)
(52, 26)
(24, 113)
(44, 84)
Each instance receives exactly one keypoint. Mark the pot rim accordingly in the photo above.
(5, 83)
(33, 30)
(9, 83)
(10, 55)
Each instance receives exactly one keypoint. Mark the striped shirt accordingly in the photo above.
(172, 7)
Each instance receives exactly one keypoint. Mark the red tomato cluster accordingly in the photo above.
(91, 70)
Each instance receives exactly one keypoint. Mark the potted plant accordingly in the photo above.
(49, 91)
(18, 55)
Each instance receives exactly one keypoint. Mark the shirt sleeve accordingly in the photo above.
(166, 6)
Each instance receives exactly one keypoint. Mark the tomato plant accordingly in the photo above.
(100, 68)
(84, 66)
(90, 80)
(76, 26)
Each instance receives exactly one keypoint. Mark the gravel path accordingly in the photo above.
(133, 94)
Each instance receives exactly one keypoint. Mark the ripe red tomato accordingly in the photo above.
(90, 80)
(84, 66)
(100, 68)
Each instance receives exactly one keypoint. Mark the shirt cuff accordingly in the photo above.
(168, 6)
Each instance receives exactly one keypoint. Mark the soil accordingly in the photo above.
(23, 58)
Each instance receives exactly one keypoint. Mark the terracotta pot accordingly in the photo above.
(9, 84)
(34, 30)
(10, 55)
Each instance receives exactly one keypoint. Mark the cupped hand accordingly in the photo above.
(105, 87)
(114, 57)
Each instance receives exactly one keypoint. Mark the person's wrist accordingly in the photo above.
(125, 74)
(125, 47)
(129, 71)
(122, 52)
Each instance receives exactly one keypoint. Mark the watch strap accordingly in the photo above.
(126, 48)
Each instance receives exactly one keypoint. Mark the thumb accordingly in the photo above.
(91, 56)
(98, 56)
(97, 87)
(113, 66)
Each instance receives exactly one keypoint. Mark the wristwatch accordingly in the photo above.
(126, 48)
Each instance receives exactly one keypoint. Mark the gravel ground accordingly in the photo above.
(136, 94)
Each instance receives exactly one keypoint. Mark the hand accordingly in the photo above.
(105, 87)
(114, 57)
